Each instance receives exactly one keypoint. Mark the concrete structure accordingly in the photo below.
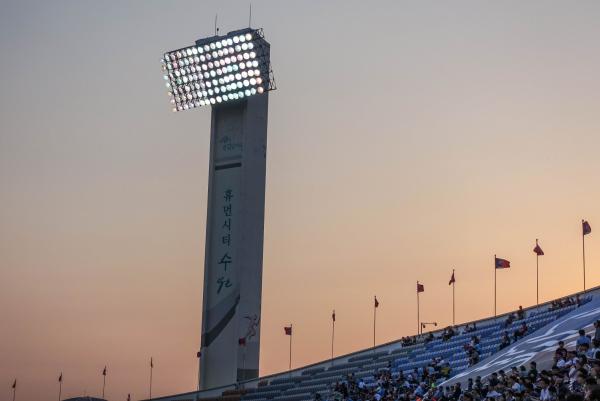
(231, 73)
(234, 243)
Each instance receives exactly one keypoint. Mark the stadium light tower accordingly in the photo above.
(232, 74)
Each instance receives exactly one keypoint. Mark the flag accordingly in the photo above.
(502, 263)
(60, 378)
(586, 227)
(420, 287)
(333, 316)
(376, 303)
(538, 250)
(242, 341)
(288, 330)
(151, 362)
(14, 384)
(452, 279)
(128, 397)
(104, 371)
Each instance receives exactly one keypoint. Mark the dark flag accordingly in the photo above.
(452, 279)
(128, 397)
(60, 378)
(376, 303)
(585, 226)
(14, 384)
(242, 341)
(104, 371)
(151, 362)
(288, 330)
(502, 263)
(538, 250)
(333, 316)
(420, 288)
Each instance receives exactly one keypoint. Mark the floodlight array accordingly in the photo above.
(218, 70)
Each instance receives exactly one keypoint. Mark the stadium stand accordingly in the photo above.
(412, 366)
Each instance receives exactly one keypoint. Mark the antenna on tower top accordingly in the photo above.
(216, 29)
(250, 17)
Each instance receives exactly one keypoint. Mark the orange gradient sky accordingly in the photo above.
(405, 139)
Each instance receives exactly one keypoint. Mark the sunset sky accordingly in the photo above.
(405, 139)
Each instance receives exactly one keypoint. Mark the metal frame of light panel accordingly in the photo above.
(219, 69)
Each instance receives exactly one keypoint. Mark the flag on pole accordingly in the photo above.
(452, 279)
(585, 226)
(538, 250)
(333, 315)
(288, 330)
(14, 384)
(128, 397)
(420, 287)
(376, 302)
(104, 371)
(502, 263)
(151, 362)
(242, 341)
(60, 378)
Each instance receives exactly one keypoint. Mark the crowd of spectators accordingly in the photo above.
(574, 375)
(563, 302)
(408, 341)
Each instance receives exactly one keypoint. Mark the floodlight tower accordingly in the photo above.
(232, 74)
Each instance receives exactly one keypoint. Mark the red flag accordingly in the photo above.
(538, 250)
(151, 362)
(586, 227)
(502, 263)
(288, 330)
(333, 315)
(104, 371)
(376, 303)
(14, 384)
(242, 341)
(452, 279)
(60, 378)
(420, 287)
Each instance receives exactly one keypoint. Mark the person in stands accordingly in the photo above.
(561, 351)
(505, 340)
(583, 339)
(520, 332)
(593, 352)
(520, 313)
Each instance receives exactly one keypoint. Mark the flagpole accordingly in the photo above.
(374, 321)
(332, 335)
(291, 333)
(199, 355)
(537, 276)
(453, 305)
(103, 384)
(244, 363)
(419, 330)
(151, 368)
(583, 243)
(495, 286)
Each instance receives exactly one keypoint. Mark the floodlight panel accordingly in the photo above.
(218, 69)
